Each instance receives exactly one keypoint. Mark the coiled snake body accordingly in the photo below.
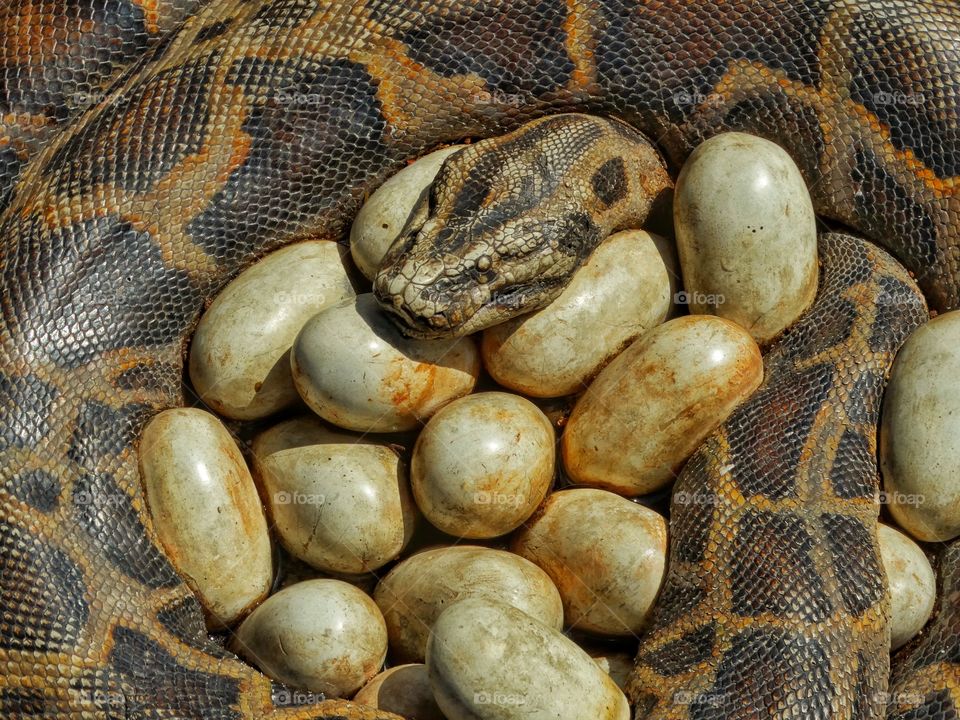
(260, 123)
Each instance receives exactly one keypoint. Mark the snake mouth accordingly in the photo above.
(502, 305)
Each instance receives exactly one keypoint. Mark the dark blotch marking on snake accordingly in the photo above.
(160, 682)
(137, 133)
(773, 570)
(107, 515)
(208, 32)
(682, 654)
(285, 13)
(859, 575)
(691, 527)
(609, 182)
(184, 620)
(24, 704)
(863, 398)
(846, 483)
(36, 488)
(42, 603)
(764, 463)
(513, 59)
(904, 104)
(90, 301)
(677, 599)
(900, 215)
(782, 37)
(770, 662)
(894, 295)
(102, 431)
(24, 410)
(578, 235)
(292, 147)
(797, 120)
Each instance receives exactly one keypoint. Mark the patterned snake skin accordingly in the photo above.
(259, 123)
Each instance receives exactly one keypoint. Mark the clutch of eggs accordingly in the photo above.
(388, 451)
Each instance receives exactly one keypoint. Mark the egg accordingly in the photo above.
(482, 464)
(622, 291)
(913, 586)
(385, 213)
(605, 554)
(920, 432)
(338, 502)
(355, 369)
(417, 590)
(206, 511)
(652, 406)
(404, 690)
(240, 356)
(486, 659)
(318, 635)
(746, 234)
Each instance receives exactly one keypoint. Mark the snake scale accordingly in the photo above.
(255, 124)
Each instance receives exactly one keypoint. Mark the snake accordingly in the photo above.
(228, 128)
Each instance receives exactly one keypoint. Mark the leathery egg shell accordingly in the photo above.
(404, 690)
(417, 590)
(206, 511)
(489, 660)
(746, 234)
(338, 503)
(355, 369)
(605, 554)
(650, 408)
(239, 359)
(622, 291)
(482, 464)
(385, 213)
(913, 586)
(920, 432)
(319, 635)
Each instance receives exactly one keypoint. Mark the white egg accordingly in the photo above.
(319, 635)
(483, 464)
(206, 511)
(652, 406)
(240, 355)
(913, 586)
(417, 590)
(353, 368)
(338, 502)
(622, 291)
(385, 213)
(746, 234)
(404, 690)
(605, 554)
(920, 432)
(489, 660)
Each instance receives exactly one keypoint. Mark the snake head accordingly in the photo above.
(507, 222)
